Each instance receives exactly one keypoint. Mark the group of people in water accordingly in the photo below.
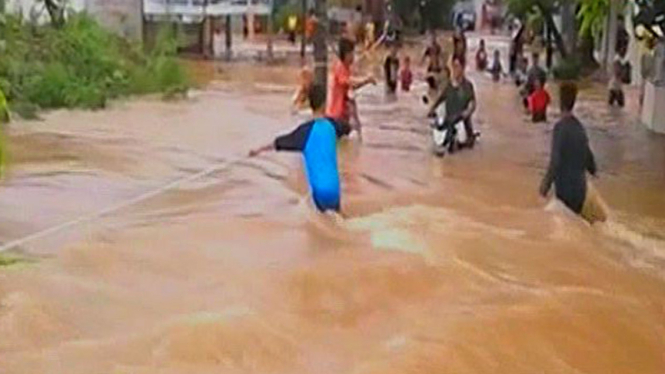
(571, 156)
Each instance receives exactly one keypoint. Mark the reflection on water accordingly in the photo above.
(442, 265)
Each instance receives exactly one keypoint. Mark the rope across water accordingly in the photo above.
(119, 206)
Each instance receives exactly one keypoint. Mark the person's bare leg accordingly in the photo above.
(355, 119)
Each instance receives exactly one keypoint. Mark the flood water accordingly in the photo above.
(451, 265)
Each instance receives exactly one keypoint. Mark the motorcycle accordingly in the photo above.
(448, 135)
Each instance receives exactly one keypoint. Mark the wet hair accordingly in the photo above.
(345, 47)
(317, 96)
(568, 96)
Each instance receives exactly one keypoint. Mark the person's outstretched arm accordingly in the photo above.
(257, 151)
(293, 141)
(555, 158)
(357, 84)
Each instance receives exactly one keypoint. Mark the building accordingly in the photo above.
(122, 16)
(140, 19)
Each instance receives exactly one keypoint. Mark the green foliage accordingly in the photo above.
(283, 13)
(568, 69)
(436, 13)
(11, 260)
(591, 16)
(433, 14)
(82, 65)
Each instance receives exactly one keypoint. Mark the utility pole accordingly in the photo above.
(568, 26)
(206, 34)
(320, 44)
(303, 24)
(611, 30)
(228, 36)
(271, 16)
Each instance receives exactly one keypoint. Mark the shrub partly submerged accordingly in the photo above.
(81, 65)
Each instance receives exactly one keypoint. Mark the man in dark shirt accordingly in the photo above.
(317, 141)
(571, 158)
(434, 56)
(460, 98)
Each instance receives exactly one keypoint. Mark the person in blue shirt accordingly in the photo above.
(317, 141)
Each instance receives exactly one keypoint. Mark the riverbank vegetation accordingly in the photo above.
(78, 64)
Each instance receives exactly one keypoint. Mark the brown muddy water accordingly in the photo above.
(450, 265)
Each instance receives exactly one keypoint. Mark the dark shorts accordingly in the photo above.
(327, 201)
(391, 86)
(617, 97)
(539, 117)
(345, 125)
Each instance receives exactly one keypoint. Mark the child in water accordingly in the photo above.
(301, 97)
(538, 101)
(317, 141)
(616, 95)
(481, 57)
(521, 71)
(406, 75)
(341, 107)
(391, 70)
(497, 68)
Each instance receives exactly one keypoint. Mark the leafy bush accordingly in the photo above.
(568, 69)
(283, 14)
(81, 65)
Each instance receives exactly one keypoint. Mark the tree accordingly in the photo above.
(56, 11)
(432, 13)
(592, 15)
(546, 9)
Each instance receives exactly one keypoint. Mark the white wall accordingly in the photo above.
(121, 16)
(24, 6)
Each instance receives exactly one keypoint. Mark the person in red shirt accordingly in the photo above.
(406, 76)
(341, 107)
(539, 100)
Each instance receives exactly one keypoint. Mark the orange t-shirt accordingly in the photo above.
(339, 92)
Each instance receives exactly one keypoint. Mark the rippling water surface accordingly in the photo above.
(450, 265)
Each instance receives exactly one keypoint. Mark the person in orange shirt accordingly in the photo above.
(341, 107)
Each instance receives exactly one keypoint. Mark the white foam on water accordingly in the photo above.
(649, 251)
